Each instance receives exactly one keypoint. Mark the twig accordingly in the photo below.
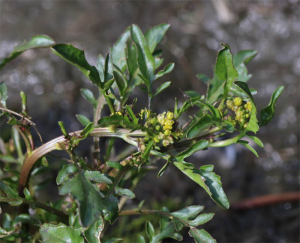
(266, 200)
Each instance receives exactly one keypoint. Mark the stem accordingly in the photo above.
(64, 216)
(108, 101)
(117, 179)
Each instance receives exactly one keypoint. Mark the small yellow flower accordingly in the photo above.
(170, 115)
(248, 106)
(237, 101)
(167, 132)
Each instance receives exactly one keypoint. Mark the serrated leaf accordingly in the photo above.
(118, 50)
(155, 35)
(200, 145)
(123, 192)
(201, 236)
(97, 177)
(60, 234)
(76, 57)
(91, 204)
(89, 96)
(145, 59)
(225, 69)
(162, 87)
(39, 41)
(165, 71)
(267, 113)
(83, 119)
(201, 219)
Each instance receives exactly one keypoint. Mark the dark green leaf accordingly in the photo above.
(155, 35)
(111, 240)
(131, 59)
(146, 153)
(13, 121)
(65, 173)
(97, 177)
(187, 104)
(83, 119)
(39, 41)
(145, 59)
(267, 113)
(201, 219)
(203, 78)
(91, 204)
(243, 57)
(108, 68)
(115, 119)
(134, 119)
(60, 234)
(215, 89)
(11, 194)
(192, 94)
(123, 192)
(162, 87)
(121, 81)
(141, 239)
(87, 130)
(76, 57)
(225, 69)
(246, 144)
(100, 66)
(165, 71)
(89, 96)
(201, 236)
(200, 145)
(188, 212)
(108, 84)
(93, 233)
(118, 50)
(27, 194)
(114, 164)
(163, 169)
(158, 62)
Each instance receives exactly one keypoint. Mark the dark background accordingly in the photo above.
(197, 30)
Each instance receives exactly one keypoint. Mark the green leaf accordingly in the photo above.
(131, 60)
(146, 153)
(267, 113)
(108, 84)
(201, 236)
(145, 59)
(97, 177)
(225, 69)
(150, 230)
(93, 233)
(203, 78)
(215, 89)
(87, 130)
(111, 240)
(192, 94)
(134, 119)
(89, 96)
(256, 140)
(201, 219)
(3, 93)
(246, 144)
(214, 111)
(66, 173)
(76, 57)
(187, 104)
(27, 194)
(121, 81)
(24, 103)
(114, 164)
(91, 204)
(123, 192)
(100, 66)
(243, 57)
(188, 212)
(202, 124)
(155, 35)
(200, 145)
(60, 234)
(39, 41)
(118, 50)
(11, 194)
(163, 169)
(141, 239)
(108, 68)
(158, 62)
(162, 87)
(83, 119)
(115, 119)
(165, 71)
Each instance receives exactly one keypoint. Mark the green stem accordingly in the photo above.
(117, 179)
(227, 141)
(62, 215)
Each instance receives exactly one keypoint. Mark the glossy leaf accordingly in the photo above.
(96, 176)
(89, 96)
(267, 113)
(188, 212)
(3, 93)
(123, 192)
(60, 233)
(118, 50)
(162, 87)
(155, 35)
(100, 66)
(165, 71)
(76, 57)
(83, 119)
(225, 69)
(145, 59)
(200, 145)
(201, 236)
(108, 68)
(91, 204)
(131, 60)
(201, 219)
(39, 41)
(121, 81)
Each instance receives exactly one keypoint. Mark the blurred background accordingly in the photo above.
(197, 29)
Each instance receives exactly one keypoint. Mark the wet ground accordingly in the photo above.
(270, 27)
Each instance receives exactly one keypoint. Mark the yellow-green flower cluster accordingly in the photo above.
(160, 128)
(241, 109)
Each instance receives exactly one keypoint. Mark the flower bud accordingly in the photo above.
(170, 115)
